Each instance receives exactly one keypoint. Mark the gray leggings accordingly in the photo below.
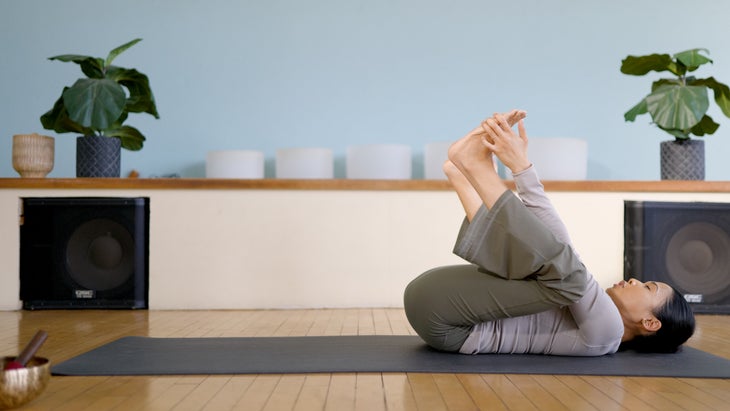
(519, 268)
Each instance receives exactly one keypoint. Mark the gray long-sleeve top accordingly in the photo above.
(590, 327)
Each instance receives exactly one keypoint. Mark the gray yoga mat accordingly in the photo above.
(400, 353)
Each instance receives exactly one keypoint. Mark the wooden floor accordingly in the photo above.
(73, 332)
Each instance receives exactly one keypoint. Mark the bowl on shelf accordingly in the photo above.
(22, 385)
(304, 163)
(243, 164)
(378, 161)
(33, 155)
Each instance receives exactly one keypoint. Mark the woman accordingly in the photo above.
(526, 290)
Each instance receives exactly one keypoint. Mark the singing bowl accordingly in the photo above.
(20, 386)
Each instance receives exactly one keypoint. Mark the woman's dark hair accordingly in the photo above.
(678, 324)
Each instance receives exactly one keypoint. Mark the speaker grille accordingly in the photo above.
(84, 252)
(100, 255)
(698, 259)
(686, 245)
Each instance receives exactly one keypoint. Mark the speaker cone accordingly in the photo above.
(686, 245)
(697, 260)
(99, 255)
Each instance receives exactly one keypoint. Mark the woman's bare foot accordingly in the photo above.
(470, 200)
(469, 151)
(450, 170)
(471, 148)
(508, 146)
(473, 158)
(512, 117)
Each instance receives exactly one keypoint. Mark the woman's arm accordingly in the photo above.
(511, 149)
(471, 200)
(532, 193)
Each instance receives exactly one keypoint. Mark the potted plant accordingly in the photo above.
(96, 107)
(679, 105)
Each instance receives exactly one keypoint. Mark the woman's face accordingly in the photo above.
(636, 300)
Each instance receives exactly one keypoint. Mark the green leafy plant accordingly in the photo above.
(100, 103)
(678, 105)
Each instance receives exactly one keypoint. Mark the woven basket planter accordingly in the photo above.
(682, 160)
(98, 156)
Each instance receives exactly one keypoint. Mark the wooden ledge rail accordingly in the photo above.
(345, 184)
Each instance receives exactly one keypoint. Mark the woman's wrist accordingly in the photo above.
(519, 169)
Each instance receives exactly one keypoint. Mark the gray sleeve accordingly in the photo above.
(590, 327)
(599, 326)
(532, 193)
(595, 314)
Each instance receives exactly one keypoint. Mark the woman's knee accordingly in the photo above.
(423, 290)
(416, 296)
(424, 300)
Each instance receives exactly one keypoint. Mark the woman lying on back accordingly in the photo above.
(527, 290)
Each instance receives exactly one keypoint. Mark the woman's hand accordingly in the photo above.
(499, 138)
(512, 117)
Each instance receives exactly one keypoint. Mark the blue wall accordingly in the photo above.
(270, 74)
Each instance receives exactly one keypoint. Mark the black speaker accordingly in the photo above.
(84, 252)
(686, 245)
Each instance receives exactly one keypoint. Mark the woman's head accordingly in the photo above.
(656, 317)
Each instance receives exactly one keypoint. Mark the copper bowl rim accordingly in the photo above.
(21, 386)
(33, 363)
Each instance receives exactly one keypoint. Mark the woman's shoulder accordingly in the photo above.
(607, 314)
(596, 314)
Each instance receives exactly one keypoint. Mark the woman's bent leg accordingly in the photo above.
(509, 241)
(436, 319)
(536, 273)
(443, 304)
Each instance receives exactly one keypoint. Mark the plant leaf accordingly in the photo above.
(140, 98)
(721, 91)
(636, 110)
(131, 138)
(664, 81)
(119, 50)
(706, 126)
(93, 67)
(94, 103)
(120, 120)
(57, 119)
(640, 65)
(693, 59)
(101, 103)
(677, 107)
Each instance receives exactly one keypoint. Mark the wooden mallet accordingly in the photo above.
(28, 352)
